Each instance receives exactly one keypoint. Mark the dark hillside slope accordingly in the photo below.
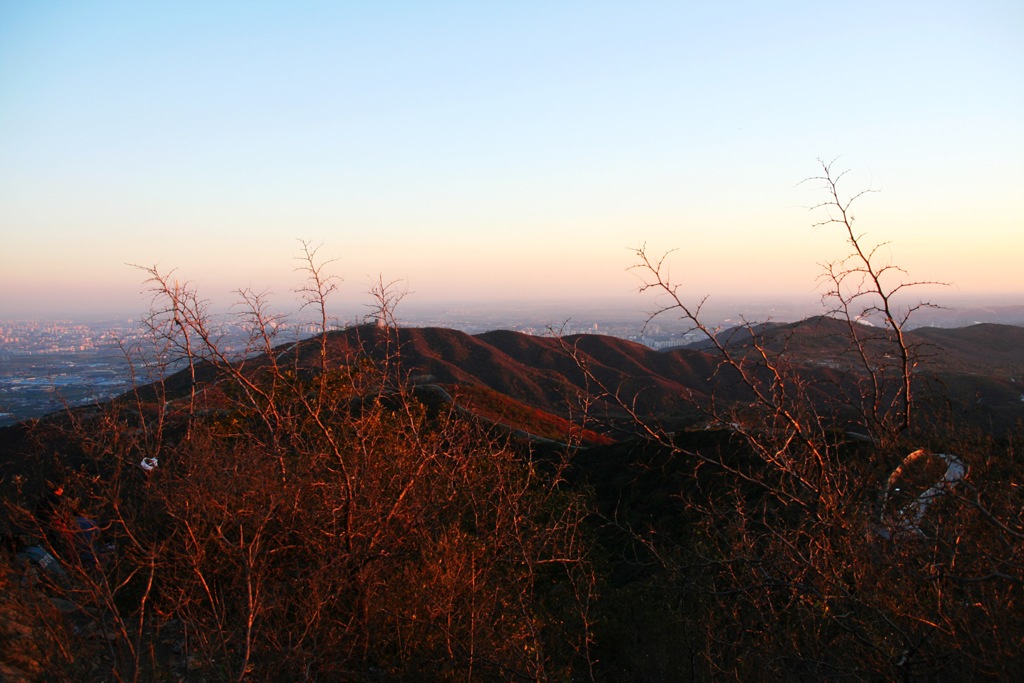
(538, 371)
(988, 349)
(978, 371)
(811, 340)
(453, 357)
(975, 373)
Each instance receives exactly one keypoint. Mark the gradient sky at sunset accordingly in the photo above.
(506, 152)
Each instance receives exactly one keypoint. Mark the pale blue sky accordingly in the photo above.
(486, 152)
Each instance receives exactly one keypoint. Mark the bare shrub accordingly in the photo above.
(308, 514)
(785, 571)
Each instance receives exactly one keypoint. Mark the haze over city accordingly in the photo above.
(501, 154)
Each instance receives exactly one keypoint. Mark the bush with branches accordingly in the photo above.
(805, 544)
(305, 513)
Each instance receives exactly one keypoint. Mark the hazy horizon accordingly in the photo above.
(634, 307)
(501, 154)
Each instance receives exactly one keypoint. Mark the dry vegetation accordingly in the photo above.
(308, 517)
(812, 547)
(312, 516)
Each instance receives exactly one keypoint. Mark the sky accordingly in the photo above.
(486, 152)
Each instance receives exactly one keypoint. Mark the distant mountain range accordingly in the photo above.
(979, 368)
(538, 383)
